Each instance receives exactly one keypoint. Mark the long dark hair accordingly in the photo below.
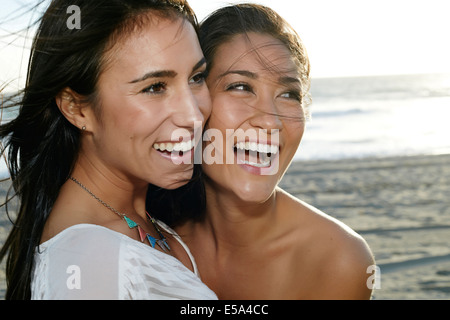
(189, 202)
(42, 145)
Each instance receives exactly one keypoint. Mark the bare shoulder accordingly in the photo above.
(337, 257)
(69, 211)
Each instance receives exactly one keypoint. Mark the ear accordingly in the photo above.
(74, 109)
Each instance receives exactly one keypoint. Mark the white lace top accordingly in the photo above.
(88, 261)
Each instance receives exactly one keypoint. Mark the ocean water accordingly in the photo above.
(373, 117)
(377, 116)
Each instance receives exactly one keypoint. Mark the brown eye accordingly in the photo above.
(156, 88)
(239, 87)
(198, 78)
(293, 95)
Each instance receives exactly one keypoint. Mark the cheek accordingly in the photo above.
(228, 113)
(297, 133)
(204, 103)
(139, 121)
(294, 135)
(301, 131)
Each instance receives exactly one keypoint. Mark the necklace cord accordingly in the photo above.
(162, 242)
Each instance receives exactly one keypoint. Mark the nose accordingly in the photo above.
(191, 107)
(266, 115)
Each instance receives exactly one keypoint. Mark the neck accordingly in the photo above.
(118, 192)
(235, 223)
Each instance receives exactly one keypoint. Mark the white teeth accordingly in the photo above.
(171, 146)
(259, 147)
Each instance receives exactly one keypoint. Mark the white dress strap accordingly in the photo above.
(184, 245)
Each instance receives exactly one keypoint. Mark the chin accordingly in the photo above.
(174, 180)
(255, 193)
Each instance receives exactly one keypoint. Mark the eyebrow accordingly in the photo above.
(244, 73)
(166, 73)
(289, 80)
(284, 80)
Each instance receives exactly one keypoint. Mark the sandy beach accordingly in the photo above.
(400, 205)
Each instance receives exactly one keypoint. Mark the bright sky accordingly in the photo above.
(343, 38)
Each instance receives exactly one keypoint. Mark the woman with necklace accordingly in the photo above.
(254, 240)
(99, 102)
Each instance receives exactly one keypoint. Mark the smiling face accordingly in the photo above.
(254, 85)
(152, 86)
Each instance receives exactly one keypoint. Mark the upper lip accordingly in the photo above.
(180, 139)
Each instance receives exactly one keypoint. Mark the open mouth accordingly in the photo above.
(259, 155)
